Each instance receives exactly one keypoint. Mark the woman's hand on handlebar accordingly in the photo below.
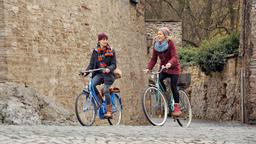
(106, 70)
(168, 65)
(82, 72)
(146, 70)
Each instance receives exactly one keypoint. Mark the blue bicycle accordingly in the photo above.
(88, 104)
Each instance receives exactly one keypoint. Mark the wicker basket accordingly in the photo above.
(184, 80)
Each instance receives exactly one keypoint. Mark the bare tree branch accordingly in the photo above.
(202, 18)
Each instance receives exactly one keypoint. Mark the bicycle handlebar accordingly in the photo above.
(162, 68)
(89, 71)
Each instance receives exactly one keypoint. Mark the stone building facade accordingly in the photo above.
(44, 44)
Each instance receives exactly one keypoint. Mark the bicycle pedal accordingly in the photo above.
(85, 109)
(109, 117)
(84, 92)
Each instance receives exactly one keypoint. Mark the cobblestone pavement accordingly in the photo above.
(200, 132)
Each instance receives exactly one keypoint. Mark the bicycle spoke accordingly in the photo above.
(116, 111)
(154, 106)
(85, 110)
(185, 118)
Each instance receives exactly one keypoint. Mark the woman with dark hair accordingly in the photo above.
(103, 56)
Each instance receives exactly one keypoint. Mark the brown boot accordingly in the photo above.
(108, 114)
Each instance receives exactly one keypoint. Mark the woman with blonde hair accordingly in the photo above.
(165, 49)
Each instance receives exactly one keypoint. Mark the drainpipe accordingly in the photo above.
(242, 76)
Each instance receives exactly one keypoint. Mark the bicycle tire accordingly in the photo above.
(83, 103)
(155, 108)
(116, 110)
(186, 117)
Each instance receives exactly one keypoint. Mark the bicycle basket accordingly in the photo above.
(184, 80)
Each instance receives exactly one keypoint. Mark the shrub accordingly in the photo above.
(212, 55)
(188, 56)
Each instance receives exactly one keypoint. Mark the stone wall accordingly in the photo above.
(3, 66)
(216, 97)
(46, 43)
(248, 61)
(250, 98)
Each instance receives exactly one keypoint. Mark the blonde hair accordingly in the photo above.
(165, 30)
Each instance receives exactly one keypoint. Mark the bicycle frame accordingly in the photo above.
(160, 88)
(92, 93)
(157, 83)
(90, 89)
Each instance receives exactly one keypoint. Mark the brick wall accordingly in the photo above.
(48, 42)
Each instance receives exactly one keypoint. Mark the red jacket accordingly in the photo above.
(170, 56)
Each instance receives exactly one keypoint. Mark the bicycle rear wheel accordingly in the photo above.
(185, 118)
(116, 110)
(154, 106)
(85, 109)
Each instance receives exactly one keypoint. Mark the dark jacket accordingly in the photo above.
(168, 56)
(94, 63)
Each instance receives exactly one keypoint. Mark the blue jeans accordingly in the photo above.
(108, 80)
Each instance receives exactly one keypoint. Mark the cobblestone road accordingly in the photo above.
(199, 132)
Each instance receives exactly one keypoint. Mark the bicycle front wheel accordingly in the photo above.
(154, 106)
(85, 109)
(116, 110)
(185, 118)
